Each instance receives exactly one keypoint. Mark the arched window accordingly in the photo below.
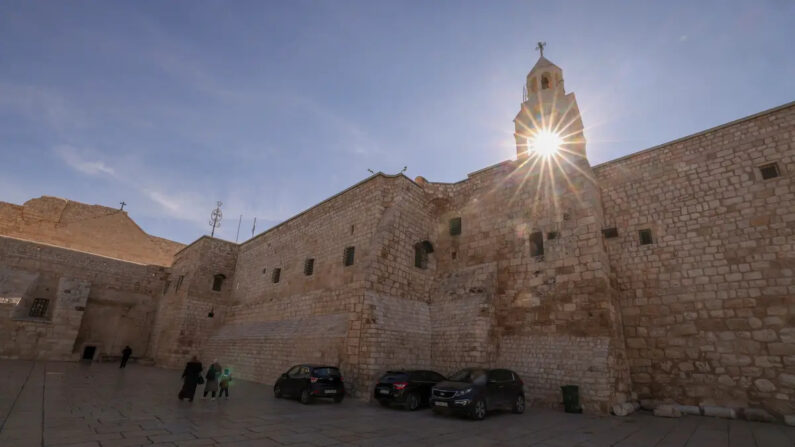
(218, 281)
(544, 81)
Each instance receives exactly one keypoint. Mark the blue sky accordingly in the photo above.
(272, 107)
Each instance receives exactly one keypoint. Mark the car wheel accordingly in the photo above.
(518, 404)
(277, 392)
(304, 398)
(412, 401)
(338, 399)
(479, 410)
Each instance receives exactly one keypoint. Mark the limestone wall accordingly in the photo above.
(183, 323)
(93, 300)
(90, 228)
(524, 312)
(709, 307)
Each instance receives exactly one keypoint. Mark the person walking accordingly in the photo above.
(213, 371)
(223, 383)
(192, 376)
(125, 355)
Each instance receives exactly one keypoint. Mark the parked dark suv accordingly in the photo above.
(408, 388)
(305, 382)
(474, 391)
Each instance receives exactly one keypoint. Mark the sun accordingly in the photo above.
(545, 143)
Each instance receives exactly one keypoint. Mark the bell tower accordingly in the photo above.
(547, 112)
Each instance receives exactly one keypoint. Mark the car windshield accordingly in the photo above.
(468, 375)
(326, 372)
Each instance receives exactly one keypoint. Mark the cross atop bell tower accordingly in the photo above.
(548, 109)
(540, 47)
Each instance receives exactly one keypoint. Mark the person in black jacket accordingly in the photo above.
(192, 376)
(125, 355)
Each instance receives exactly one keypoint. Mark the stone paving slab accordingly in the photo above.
(98, 405)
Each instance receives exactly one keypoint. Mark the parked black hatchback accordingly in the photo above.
(305, 382)
(474, 391)
(411, 389)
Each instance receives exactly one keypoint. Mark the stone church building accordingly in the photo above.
(665, 275)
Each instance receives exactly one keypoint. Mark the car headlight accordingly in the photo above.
(462, 392)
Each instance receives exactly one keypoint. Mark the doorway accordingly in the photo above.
(88, 352)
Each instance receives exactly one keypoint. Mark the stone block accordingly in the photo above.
(624, 409)
(719, 412)
(694, 410)
(667, 411)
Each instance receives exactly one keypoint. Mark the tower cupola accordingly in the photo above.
(547, 112)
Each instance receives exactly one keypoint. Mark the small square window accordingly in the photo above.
(769, 171)
(645, 237)
(552, 235)
(39, 308)
(610, 233)
(276, 275)
(455, 226)
(537, 244)
(309, 266)
(347, 257)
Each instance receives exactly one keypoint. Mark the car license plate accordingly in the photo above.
(330, 391)
(440, 404)
(383, 391)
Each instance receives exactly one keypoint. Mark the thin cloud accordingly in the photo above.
(80, 161)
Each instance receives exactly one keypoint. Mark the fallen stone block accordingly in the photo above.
(667, 411)
(758, 415)
(624, 409)
(719, 412)
(689, 409)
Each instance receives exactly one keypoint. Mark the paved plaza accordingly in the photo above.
(71, 404)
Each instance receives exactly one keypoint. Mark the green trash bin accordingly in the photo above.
(571, 398)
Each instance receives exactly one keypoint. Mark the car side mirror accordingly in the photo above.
(284, 376)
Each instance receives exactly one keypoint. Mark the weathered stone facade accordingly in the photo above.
(664, 276)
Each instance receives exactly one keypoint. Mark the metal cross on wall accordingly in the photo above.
(540, 47)
(122, 203)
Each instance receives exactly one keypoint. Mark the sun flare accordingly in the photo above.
(545, 143)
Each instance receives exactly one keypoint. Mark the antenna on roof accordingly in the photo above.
(215, 217)
(403, 170)
(370, 171)
(254, 227)
(239, 221)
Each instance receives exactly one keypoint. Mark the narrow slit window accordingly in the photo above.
(420, 256)
(537, 244)
(455, 226)
(165, 287)
(39, 308)
(309, 266)
(552, 235)
(645, 237)
(218, 282)
(347, 257)
(276, 275)
(769, 171)
(179, 283)
(610, 233)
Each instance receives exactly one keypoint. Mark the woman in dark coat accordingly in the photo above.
(192, 377)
